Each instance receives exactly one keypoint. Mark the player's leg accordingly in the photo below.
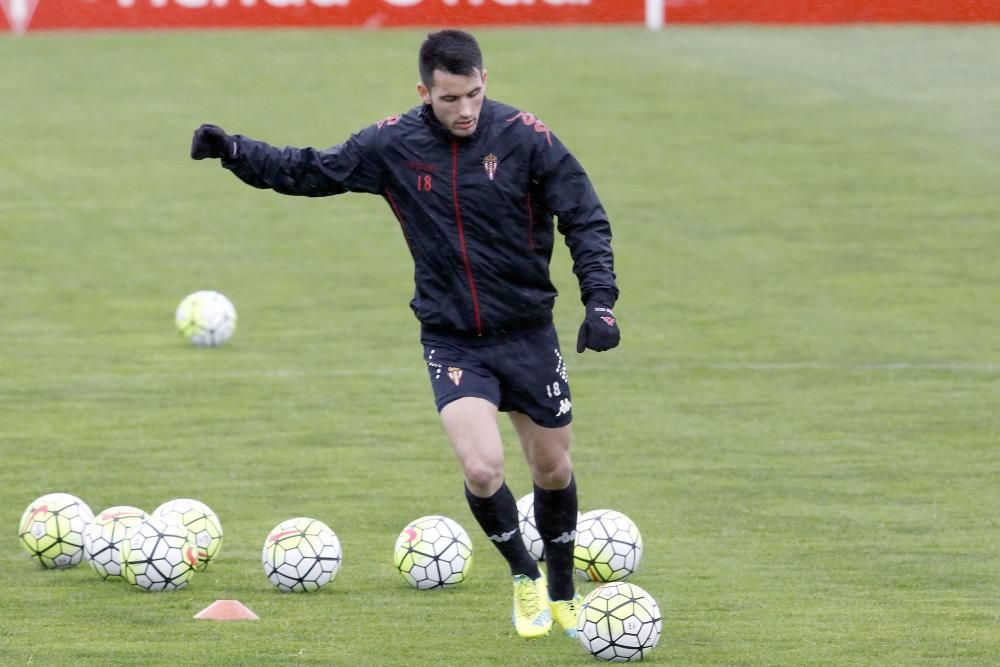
(547, 452)
(535, 392)
(471, 425)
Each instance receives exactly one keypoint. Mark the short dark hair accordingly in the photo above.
(453, 51)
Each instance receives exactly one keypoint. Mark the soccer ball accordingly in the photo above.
(158, 556)
(103, 536)
(206, 318)
(52, 528)
(608, 546)
(301, 555)
(528, 528)
(433, 552)
(619, 622)
(200, 520)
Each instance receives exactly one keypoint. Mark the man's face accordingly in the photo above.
(456, 100)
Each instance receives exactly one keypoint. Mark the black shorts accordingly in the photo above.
(525, 374)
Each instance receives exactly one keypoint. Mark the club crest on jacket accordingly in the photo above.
(490, 164)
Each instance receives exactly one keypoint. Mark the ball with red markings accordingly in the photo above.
(301, 555)
(433, 552)
(200, 520)
(159, 556)
(103, 537)
(52, 529)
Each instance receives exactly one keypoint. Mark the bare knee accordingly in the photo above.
(546, 450)
(552, 472)
(472, 431)
(483, 478)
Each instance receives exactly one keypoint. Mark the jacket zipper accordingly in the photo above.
(461, 237)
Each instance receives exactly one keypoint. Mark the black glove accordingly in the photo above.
(212, 141)
(599, 331)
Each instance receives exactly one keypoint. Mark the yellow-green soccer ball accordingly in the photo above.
(608, 546)
(52, 529)
(433, 552)
(103, 537)
(206, 318)
(158, 556)
(301, 555)
(619, 622)
(200, 520)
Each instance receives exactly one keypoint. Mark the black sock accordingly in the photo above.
(497, 516)
(555, 515)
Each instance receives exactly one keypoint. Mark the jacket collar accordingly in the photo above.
(443, 133)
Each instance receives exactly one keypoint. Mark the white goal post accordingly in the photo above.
(654, 14)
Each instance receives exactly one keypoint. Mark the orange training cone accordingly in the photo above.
(227, 610)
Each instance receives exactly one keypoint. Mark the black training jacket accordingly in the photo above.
(477, 212)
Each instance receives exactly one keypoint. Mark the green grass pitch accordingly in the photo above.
(802, 418)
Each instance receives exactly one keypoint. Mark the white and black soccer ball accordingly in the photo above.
(206, 318)
(608, 546)
(200, 520)
(103, 537)
(528, 528)
(619, 622)
(301, 555)
(52, 528)
(433, 552)
(158, 556)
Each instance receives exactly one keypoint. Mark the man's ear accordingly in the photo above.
(425, 94)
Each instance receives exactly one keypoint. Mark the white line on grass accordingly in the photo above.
(976, 366)
(770, 366)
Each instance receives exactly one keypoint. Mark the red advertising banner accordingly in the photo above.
(150, 14)
(21, 15)
(831, 11)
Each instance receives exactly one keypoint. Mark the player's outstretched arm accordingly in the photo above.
(306, 172)
(211, 141)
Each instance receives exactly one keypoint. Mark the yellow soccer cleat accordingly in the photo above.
(532, 616)
(565, 614)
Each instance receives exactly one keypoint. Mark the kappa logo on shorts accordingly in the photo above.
(564, 407)
(455, 374)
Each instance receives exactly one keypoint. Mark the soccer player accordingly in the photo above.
(475, 185)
